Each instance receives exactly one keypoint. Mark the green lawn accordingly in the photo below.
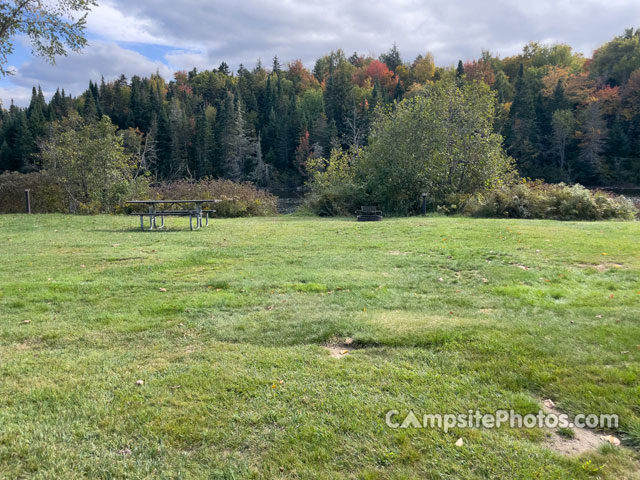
(446, 314)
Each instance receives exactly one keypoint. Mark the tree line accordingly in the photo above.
(563, 117)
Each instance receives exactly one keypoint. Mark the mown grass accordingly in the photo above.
(447, 314)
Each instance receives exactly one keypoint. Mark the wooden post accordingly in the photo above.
(424, 203)
(27, 199)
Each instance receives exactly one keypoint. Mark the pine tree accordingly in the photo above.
(593, 134)
(392, 58)
(36, 114)
(262, 173)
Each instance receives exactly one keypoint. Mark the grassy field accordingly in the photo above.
(228, 328)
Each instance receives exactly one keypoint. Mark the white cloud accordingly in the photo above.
(188, 60)
(107, 22)
(20, 96)
(74, 72)
(242, 31)
(202, 34)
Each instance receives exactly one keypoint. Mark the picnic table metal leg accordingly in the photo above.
(199, 214)
(191, 222)
(142, 222)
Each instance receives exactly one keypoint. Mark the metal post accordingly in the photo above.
(27, 199)
(424, 203)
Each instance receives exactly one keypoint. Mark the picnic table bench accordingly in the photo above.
(196, 212)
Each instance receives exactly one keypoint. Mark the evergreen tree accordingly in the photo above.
(593, 134)
(392, 58)
(36, 114)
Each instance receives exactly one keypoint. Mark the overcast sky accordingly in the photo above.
(144, 36)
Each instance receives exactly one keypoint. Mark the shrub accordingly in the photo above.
(334, 186)
(545, 201)
(238, 199)
(89, 162)
(440, 142)
(46, 195)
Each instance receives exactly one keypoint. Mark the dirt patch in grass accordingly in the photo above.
(583, 440)
(341, 349)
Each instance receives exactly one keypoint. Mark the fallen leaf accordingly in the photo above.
(348, 341)
(115, 245)
(344, 352)
(484, 280)
(598, 316)
(611, 296)
(625, 352)
(460, 442)
(549, 403)
(270, 307)
(175, 387)
(611, 439)
(140, 382)
(83, 266)
(25, 321)
(163, 289)
(124, 451)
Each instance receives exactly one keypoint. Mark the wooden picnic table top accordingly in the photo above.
(148, 202)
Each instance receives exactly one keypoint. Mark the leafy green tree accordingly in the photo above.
(88, 160)
(616, 60)
(423, 68)
(53, 27)
(441, 142)
(564, 127)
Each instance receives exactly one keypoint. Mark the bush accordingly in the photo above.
(46, 195)
(89, 162)
(544, 201)
(335, 189)
(238, 199)
(440, 142)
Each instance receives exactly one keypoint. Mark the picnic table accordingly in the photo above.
(193, 213)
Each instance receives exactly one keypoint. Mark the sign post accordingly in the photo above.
(27, 200)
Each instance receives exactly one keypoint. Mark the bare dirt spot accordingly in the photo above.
(600, 267)
(584, 440)
(340, 350)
